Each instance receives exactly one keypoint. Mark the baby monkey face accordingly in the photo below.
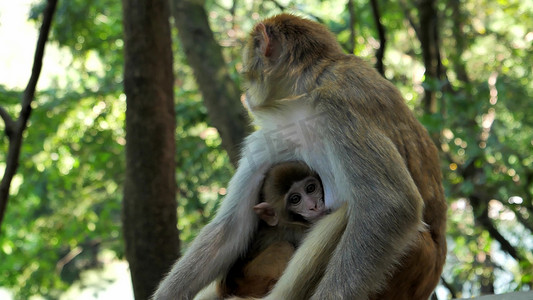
(306, 198)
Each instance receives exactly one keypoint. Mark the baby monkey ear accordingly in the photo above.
(267, 213)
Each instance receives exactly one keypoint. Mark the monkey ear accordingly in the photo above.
(266, 42)
(267, 213)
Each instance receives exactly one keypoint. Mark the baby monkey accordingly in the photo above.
(291, 200)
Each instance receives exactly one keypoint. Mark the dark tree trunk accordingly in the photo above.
(149, 206)
(221, 94)
(380, 53)
(429, 40)
(351, 11)
(459, 37)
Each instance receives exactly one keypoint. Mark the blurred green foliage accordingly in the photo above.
(65, 200)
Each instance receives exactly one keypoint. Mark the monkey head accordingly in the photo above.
(291, 192)
(278, 50)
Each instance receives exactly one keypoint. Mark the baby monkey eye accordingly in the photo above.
(295, 198)
(310, 188)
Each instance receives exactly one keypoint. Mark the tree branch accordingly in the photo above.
(526, 222)
(449, 287)
(352, 26)
(18, 127)
(410, 18)
(281, 7)
(458, 18)
(430, 51)
(479, 201)
(480, 204)
(220, 93)
(9, 123)
(382, 39)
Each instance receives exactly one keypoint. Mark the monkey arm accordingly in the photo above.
(220, 242)
(213, 250)
(384, 214)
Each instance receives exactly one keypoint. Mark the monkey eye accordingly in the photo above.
(295, 199)
(310, 188)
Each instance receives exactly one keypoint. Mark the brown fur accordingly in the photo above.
(314, 59)
(375, 160)
(258, 271)
(259, 275)
(278, 181)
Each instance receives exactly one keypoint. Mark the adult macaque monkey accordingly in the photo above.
(292, 199)
(315, 104)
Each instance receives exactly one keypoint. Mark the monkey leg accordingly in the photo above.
(418, 273)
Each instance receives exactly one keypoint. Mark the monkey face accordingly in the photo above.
(306, 198)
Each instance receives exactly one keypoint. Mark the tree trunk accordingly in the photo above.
(380, 53)
(149, 206)
(221, 95)
(429, 40)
